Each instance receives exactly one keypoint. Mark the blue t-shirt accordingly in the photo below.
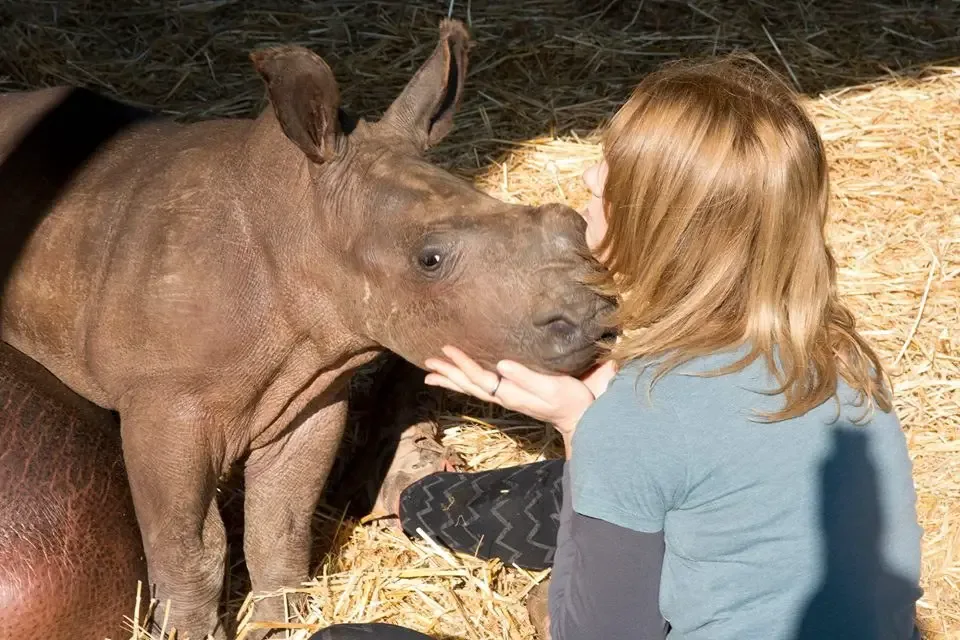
(773, 531)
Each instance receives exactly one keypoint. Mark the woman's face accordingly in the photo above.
(594, 177)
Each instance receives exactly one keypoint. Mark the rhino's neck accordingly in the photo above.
(301, 248)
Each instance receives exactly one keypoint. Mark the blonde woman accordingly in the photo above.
(734, 469)
(743, 474)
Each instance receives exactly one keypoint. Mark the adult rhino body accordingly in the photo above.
(70, 550)
(217, 284)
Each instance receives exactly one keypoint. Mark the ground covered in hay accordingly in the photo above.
(884, 84)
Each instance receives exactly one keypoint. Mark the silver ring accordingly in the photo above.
(497, 386)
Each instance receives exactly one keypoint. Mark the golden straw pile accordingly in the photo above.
(543, 75)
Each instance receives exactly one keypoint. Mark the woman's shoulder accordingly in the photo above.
(695, 382)
(708, 393)
(631, 416)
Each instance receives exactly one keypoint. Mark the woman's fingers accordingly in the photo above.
(538, 384)
(438, 380)
(549, 398)
(509, 395)
(486, 380)
(458, 377)
(516, 398)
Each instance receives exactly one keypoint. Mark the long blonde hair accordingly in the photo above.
(716, 198)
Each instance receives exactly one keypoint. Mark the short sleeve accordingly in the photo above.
(627, 464)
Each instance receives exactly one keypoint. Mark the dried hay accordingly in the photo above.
(544, 73)
(539, 67)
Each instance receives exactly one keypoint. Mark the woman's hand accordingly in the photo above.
(557, 399)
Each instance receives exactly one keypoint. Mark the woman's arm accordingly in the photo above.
(605, 581)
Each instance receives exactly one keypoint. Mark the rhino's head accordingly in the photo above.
(422, 257)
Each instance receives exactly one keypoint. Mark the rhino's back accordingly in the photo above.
(121, 223)
(54, 143)
(87, 184)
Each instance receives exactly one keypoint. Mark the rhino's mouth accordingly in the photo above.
(573, 362)
(577, 360)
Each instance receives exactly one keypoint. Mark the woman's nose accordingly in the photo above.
(591, 178)
(589, 175)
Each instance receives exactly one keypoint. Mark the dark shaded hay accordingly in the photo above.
(539, 67)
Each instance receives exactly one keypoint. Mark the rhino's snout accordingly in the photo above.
(574, 317)
(569, 334)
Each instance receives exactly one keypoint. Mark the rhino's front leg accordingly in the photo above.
(170, 465)
(283, 484)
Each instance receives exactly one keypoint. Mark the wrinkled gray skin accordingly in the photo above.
(217, 284)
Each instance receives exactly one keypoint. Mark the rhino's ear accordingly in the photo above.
(424, 110)
(305, 97)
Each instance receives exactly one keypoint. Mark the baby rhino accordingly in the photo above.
(218, 283)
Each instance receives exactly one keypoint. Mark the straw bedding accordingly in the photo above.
(884, 86)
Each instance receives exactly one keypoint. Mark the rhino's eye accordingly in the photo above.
(430, 259)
